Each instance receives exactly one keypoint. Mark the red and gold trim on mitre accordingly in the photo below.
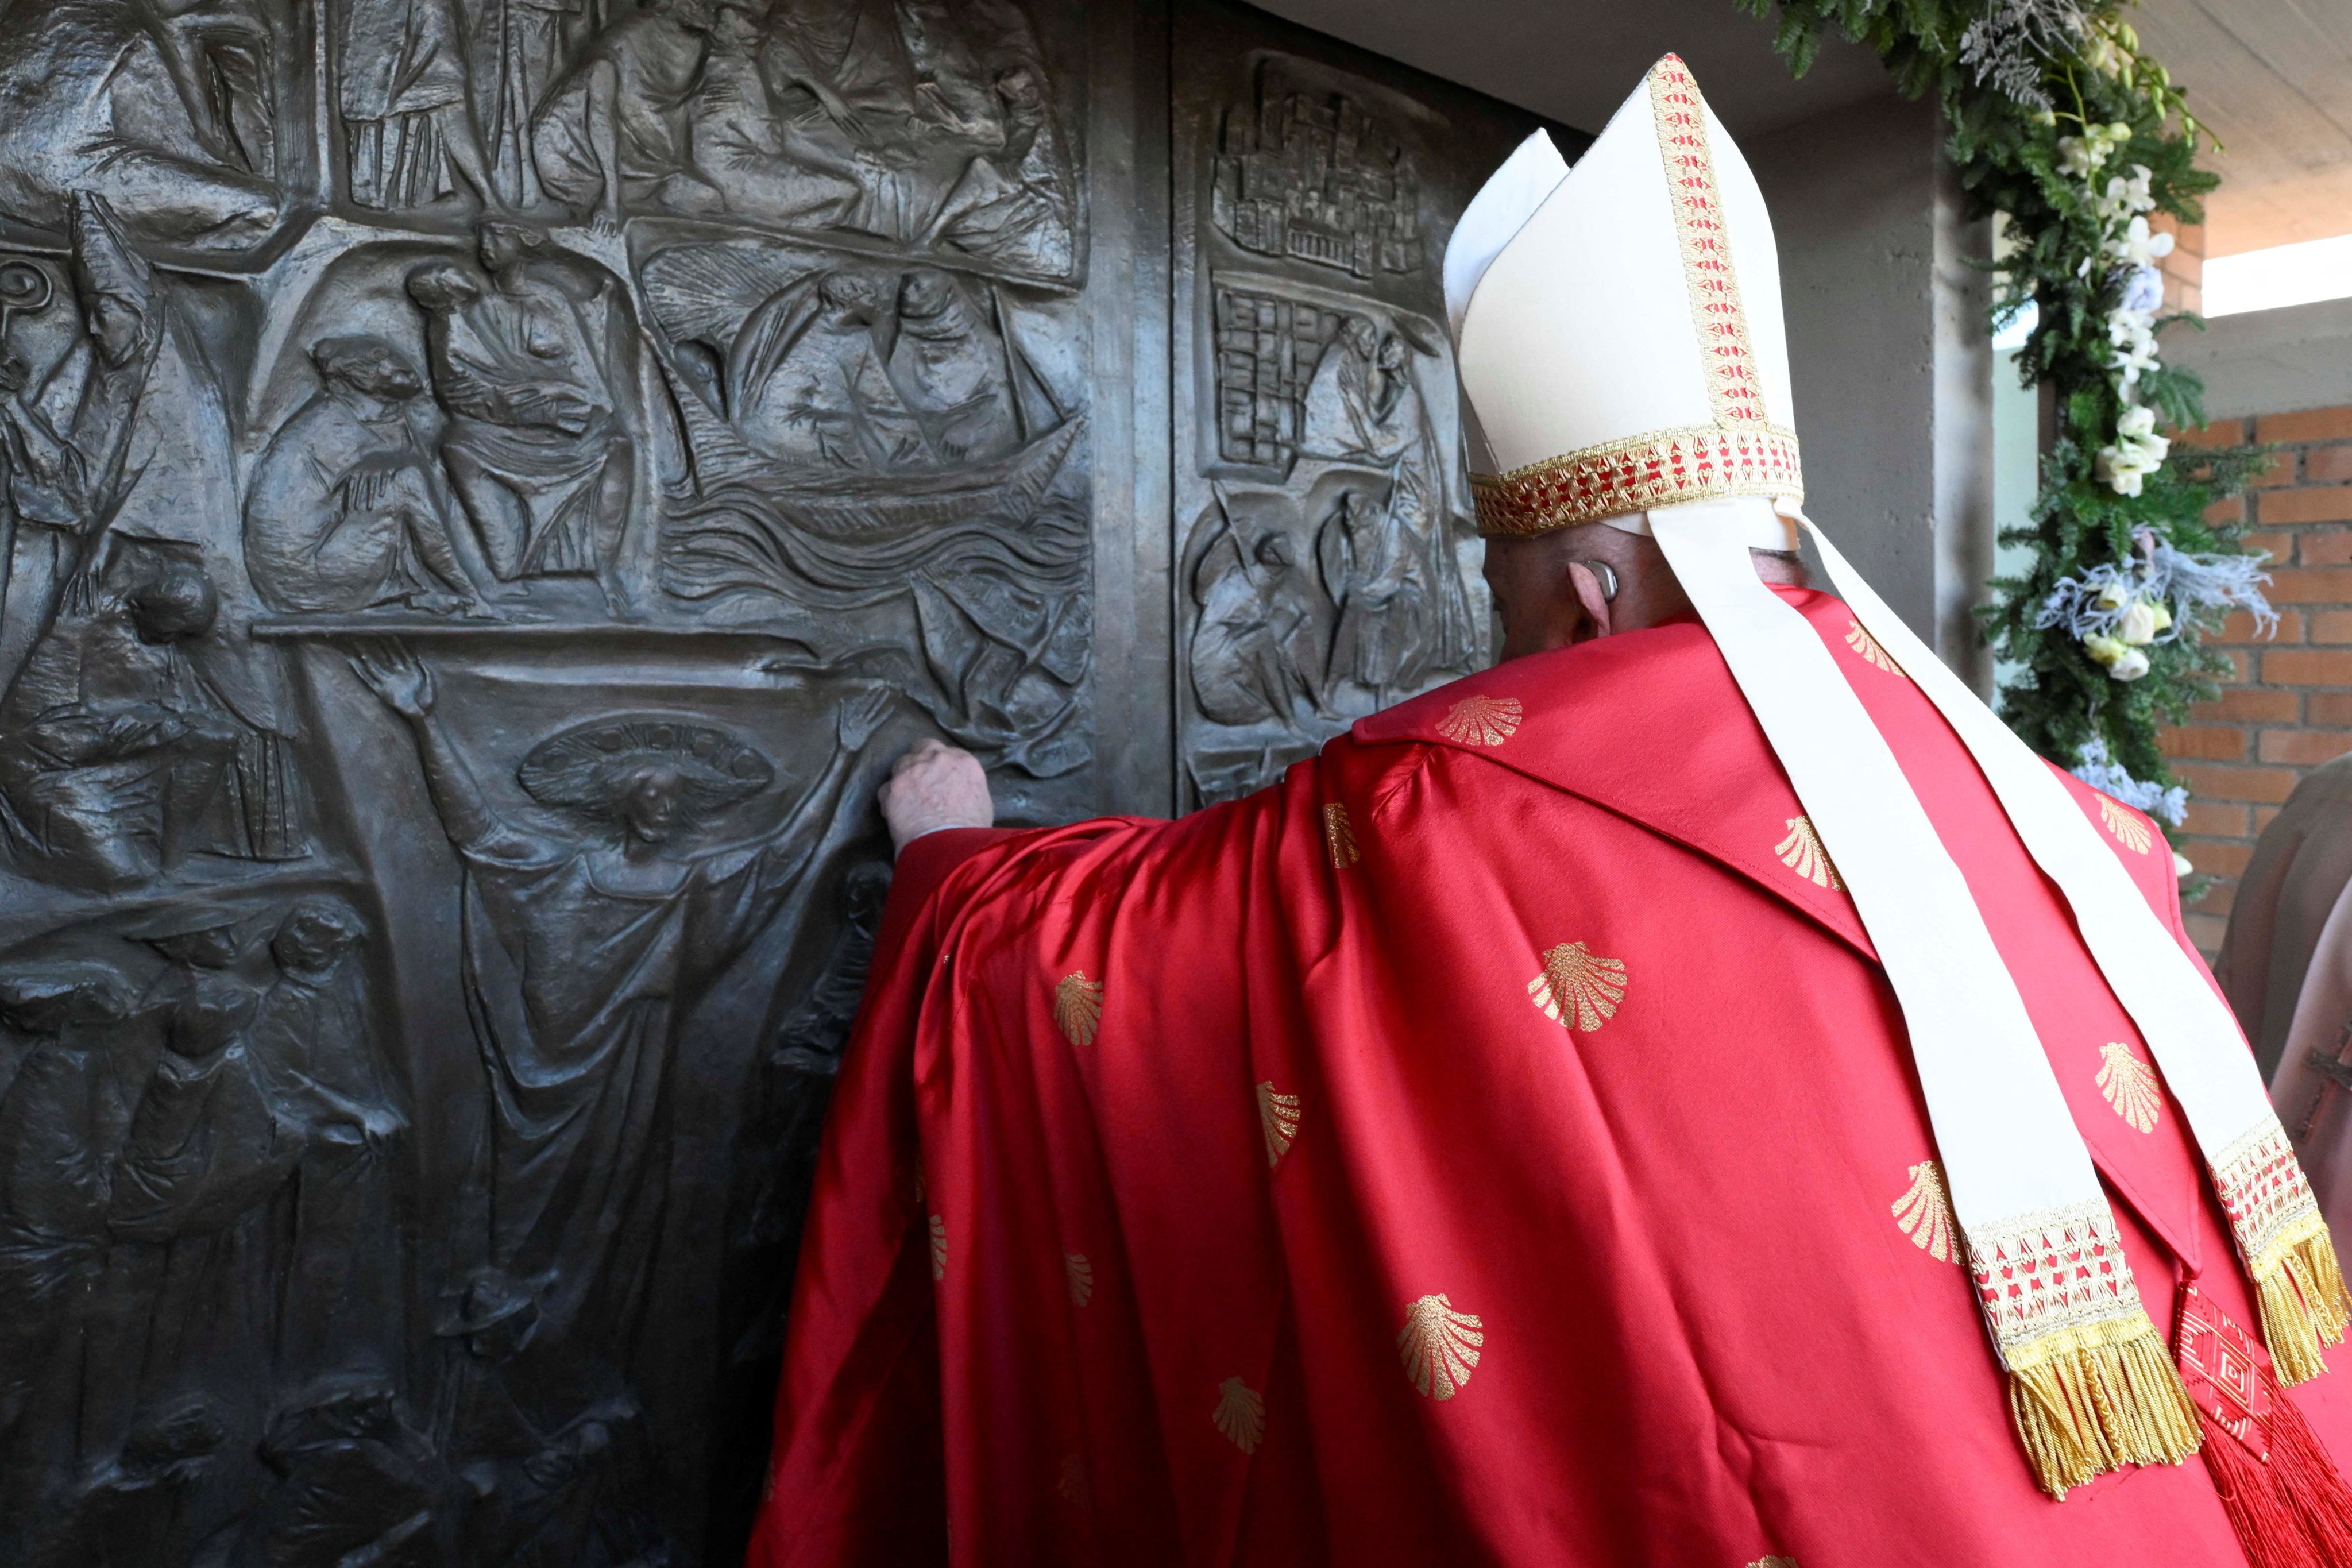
(1740, 453)
(1663, 469)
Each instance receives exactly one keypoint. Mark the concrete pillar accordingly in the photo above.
(1890, 357)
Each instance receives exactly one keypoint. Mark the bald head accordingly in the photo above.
(1552, 589)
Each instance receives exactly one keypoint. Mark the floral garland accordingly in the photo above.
(2062, 125)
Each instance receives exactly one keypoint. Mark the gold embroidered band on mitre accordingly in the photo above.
(1738, 454)
(1663, 468)
(2092, 1387)
(2284, 1239)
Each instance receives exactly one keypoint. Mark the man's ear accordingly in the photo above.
(1585, 583)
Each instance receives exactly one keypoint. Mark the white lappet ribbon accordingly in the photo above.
(2090, 1384)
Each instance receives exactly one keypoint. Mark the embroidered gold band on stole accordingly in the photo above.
(2284, 1242)
(1663, 469)
(2091, 1385)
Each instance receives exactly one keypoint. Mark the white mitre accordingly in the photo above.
(1617, 327)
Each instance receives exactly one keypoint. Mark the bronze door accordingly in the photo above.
(487, 487)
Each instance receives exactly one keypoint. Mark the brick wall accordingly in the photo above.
(2289, 706)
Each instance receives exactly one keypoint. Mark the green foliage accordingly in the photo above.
(2015, 79)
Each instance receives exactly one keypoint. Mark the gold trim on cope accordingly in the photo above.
(1079, 1276)
(939, 1247)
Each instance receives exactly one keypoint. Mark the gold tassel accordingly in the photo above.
(2097, 1398)
(2304, 1302)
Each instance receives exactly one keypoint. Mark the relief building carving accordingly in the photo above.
(486, 488)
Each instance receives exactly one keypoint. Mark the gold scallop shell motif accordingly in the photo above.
(1924, 1212)
(1077, 1008)
(939, 1247)
(1872, 650)
(1482, 720)
(1775, 1560)
(1340, 837)
(2130, 830)
(1277, 1118)
(1240, 1414)
(1578, 988)
(2130, 1085)
(1079, 1276)
(1439, 1346)
(1801, 852)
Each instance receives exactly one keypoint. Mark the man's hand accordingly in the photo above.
(935, 785)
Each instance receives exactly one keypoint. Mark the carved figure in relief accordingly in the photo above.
(612, 134)
(408, 124)
(952, 91)
(358, 1486)
(314, 1041)
(807, 381)
(68, 440)
(1253, 654)
(1379, 577)
(347, 510)
(113, 755)
(164, 111)
(527, 364)
(954, 370)
(123, 465)
(1017, 205)
(586, 952)
(749, 157)
(1361, 402)
(846, 55)
(61, 1118)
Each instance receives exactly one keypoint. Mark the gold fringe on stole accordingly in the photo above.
(2303, 1303)
(2097, 1397)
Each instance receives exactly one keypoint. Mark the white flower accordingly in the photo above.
(2137, 247)
(2125, 464)
(2114, 593)
(2079, 158)
(2143, 290)
(2138, 625)
(2103, 649)
(2133, 337)
(2130, 667)
(2139, 425)
(2181, 866)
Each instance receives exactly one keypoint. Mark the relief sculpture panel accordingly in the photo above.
(487, 487)
(1326, 564)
